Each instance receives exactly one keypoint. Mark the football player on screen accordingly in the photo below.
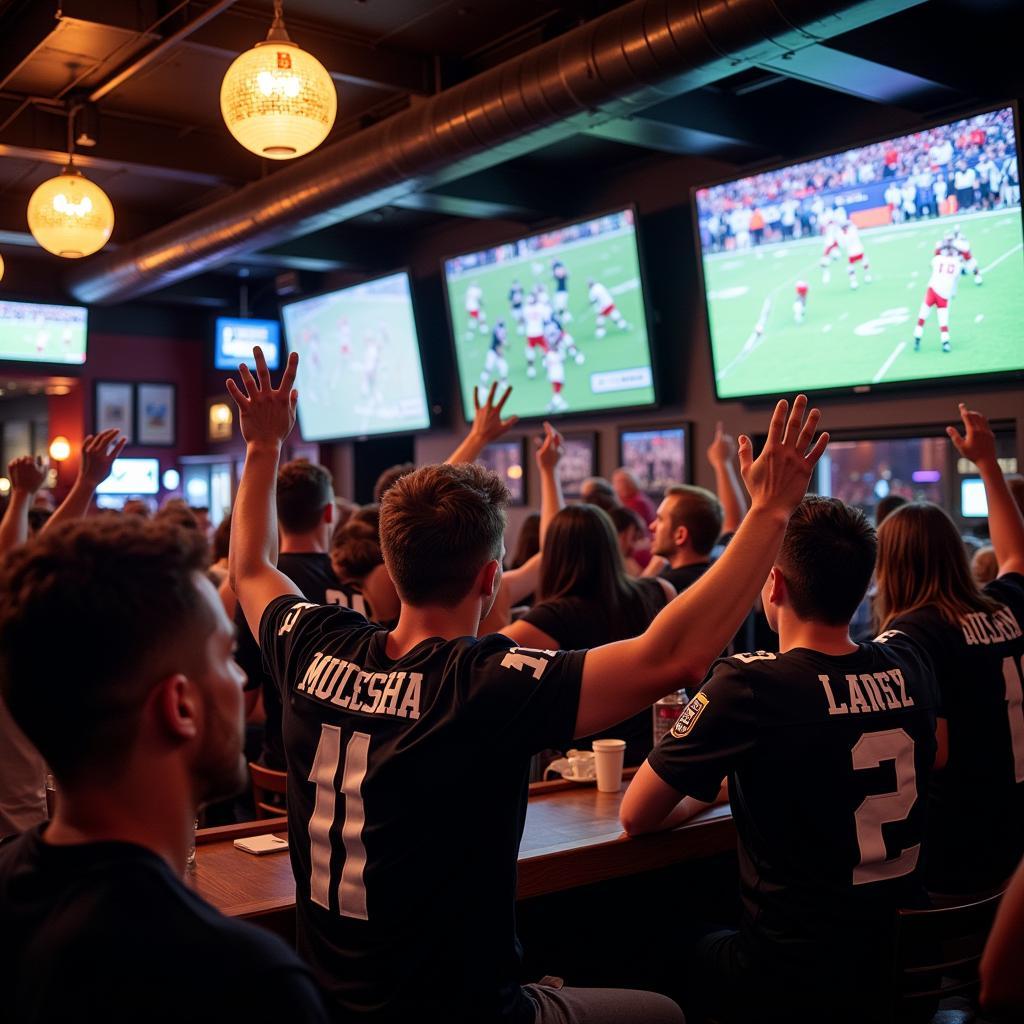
(602, 301)
(946, 264)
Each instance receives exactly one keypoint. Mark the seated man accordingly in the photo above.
(828, 748)
(408, 751)
(115, 661)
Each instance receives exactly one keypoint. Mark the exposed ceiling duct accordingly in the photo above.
(618, 64)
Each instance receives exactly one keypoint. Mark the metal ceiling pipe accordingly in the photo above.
(620, 63)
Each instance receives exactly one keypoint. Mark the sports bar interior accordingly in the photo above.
(563, 258)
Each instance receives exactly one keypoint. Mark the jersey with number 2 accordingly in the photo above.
(828, 760)
(407, 783)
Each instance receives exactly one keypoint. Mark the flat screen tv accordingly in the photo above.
(35, 332)
(359, 361)
(973, 500)
(656, 457)
(132, 476)
(559, 315)
(579, 460)
(874, 267)
(235, 338)
(506, 458)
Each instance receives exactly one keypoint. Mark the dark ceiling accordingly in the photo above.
(162, 151)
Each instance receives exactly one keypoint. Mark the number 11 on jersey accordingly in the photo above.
(352, 886)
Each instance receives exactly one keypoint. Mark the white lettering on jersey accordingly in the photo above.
(755, 656)
(945, 271)
(982, 628)
(346, 685)
(293, 616)
(517, 659)
(868, 692)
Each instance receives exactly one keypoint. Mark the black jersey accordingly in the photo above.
(312, 573)
(828, 760)
(105, 931)
(407, 788)
(515, 297)
(976, 814)
(498, 337)
(561, 276)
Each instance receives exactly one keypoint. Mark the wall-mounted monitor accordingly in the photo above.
(508, 460)
(132, 476)
(236, 337)
(656, 457)
(359, 361)
(559, 315)
(973, 500)
(879, 266)
(579, 460)
(35, 332)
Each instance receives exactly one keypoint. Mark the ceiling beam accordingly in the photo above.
(494, 195)
(347, 60)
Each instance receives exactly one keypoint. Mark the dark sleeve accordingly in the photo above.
(715, 730)
(286, 994)
(1009, 590)
(247, 652)
(558, 618)
(526, 697)
(923, 638)
(290, 625)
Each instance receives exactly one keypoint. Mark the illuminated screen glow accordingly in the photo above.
(359, 361)
(236, 337)
(560, 316)
(816, 274)
(132, 476)
(657, 458)
(34, 332)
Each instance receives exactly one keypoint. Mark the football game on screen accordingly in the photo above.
(559, 316)
(40, 333)
(897, 261)
(359, 361)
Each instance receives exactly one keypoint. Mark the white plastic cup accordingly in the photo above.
(609, 757)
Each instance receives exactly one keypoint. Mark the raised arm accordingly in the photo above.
(487, 426)
(722, 456)
(26, 475)
(97, 458)
(549, 455)
(691, 631)
(266, 416)
(1005, 524)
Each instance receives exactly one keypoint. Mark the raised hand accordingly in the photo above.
(26, 474)
(488, 425)
(265, 413)
(777, 480)
(979, 444)
(723, 448)
(98, 454)
(549, 448)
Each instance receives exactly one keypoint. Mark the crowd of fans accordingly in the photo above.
(389, 635)
(973, 161)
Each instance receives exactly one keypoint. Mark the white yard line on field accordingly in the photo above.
(893, 356)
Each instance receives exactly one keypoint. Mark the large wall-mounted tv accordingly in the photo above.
(359, 361)
(877, 266)
(236, 337)
(36, 332)
(132, 476)
(559, 315)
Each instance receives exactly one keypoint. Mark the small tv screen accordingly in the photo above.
(579, 460)
(359, 361)
(559, 315)
(973, 500)
(506, 459)
(657, 458)
(132, 476)
(236, 337)
(884, 264)
(35, 332)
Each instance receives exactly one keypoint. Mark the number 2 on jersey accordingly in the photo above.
(879, 809)
(1013, 678)
(352, 887)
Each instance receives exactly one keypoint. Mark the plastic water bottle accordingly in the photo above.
(666, 711)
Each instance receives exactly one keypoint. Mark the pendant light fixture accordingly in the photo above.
(278, 100)
(69, 215)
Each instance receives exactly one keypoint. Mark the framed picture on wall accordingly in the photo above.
(114, 406)
(508, 460)
(579, 460)
(155, 405)
(656, 456)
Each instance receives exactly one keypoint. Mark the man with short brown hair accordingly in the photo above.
(405, 883)
(685, 528)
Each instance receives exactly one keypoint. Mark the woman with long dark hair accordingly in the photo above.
(587, 599)
(975, 636)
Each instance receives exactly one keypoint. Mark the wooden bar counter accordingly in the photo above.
(572, 838)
